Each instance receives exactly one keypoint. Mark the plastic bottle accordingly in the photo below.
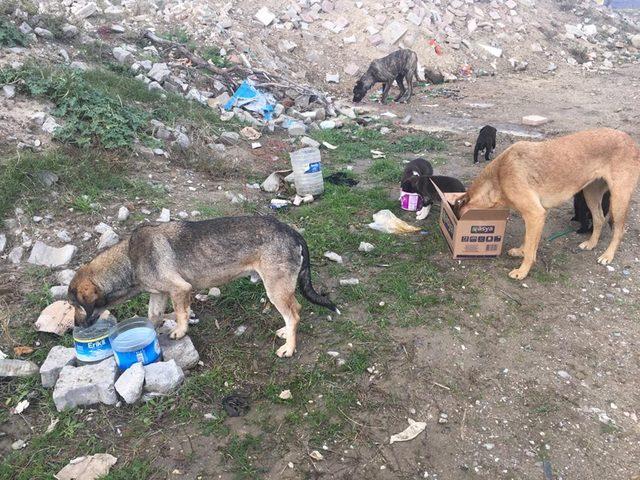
(307, 171)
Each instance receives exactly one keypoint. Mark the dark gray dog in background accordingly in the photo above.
(171, 260)
(399, 65)
(486, 141)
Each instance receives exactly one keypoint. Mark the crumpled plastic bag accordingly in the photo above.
(385, 221)
(87, 468)
(412, 431)
(250, 98)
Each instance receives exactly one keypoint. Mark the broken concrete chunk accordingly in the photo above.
(64, 277)
(15, 255)
(91, 467)
(264, 16)
(159, 71)
(163, 377)
(165, 216)
(122, 55)
(59, 292)
(42, 254)
(108, 239)
(17, 368)
(123, 214)
(181, 351)
(393, 32)
(86, 385)
(58, 358)
(129, 385)
(56, 318)
(534, 120)
(333, 256)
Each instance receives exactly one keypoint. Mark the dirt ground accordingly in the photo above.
(481, 369)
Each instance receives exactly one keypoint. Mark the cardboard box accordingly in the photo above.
(479, 233)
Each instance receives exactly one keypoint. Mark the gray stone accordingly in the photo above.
(351, 69)
(182, 140)
(101, 228)
(46, 178)
(635, 40)
(38, 118)
(69, 31)
(328, 125)
(129, 385)
(43, 32)
(165, 216)
(495, 51)
(15, 255)
(108, 239)
(64, 277)
(332, 77)
(122, 55)
(59, 292)
(50, 125)
(17, 368)
(117, 28)
(195, 94)
(84, 11)
(86, 385)
(63, 235)
(162, 377)
(42, 254)
(182, 351)
(230, 138)
(9, 91)
(564, 374)
(309, 142)
(393, 32)
(159, 71)
(123, 214)
(25, 28)
(58, 358)
(264, 16)
(3, 241)
(296, 129)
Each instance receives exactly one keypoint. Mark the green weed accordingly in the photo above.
(238, 452)
(10, 36)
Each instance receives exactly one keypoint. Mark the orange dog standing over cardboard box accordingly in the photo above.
(532, 177)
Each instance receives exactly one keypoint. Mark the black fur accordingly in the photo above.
(582, 213)
(486, 141)
(422, 185)
(417, 167)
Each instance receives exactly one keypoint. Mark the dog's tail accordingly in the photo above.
(304, 280)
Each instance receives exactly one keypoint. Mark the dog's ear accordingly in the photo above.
(459, 203)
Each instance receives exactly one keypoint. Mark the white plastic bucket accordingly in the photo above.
(307, 171)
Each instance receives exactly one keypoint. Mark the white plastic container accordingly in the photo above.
(307, 171)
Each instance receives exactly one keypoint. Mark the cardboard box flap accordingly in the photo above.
(447, 200)
(492, 214)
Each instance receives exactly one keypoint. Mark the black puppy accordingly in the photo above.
(417, 167)
(486, 141)
(399, 65)
(422, 185)
(582, 214)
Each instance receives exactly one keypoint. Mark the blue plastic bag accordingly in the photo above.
(249, 98)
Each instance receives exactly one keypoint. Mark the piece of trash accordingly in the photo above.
(559, 234)
(272, 183)
(349, 281)
(385, 221)
(333, 256)
(2, 355)
(278, 203)
(56, 318)
(18, 445)
(21, 350)
(290, 465)
(214, 292)
(377, 154)
(341, 178)
(285, 395)
(236, 404)
(201, 297)
(412, 431)
(255, 145)
(90, 467)
(329, 146)
(548, 471)
(52, 425)
(250, 133)
(20, 407)
(249, 98)
(365, 247)
(240, 330)
(297, 201)
(316, 455)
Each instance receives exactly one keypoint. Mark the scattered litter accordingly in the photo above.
(316, 455)
(329, 146)
(249, 98)
(250, 133)
(365, 247)
(385, 221)
(2, 355)
(377, 154)
(19, 445)
(553, 236)
(235, 404)
(349, 281)
(52, 425)
(214, 292)
(534, 120)
(333, 256)
(87, 468)
(341, 178)
(255, 145)
(20, 407)
(21, 350)
(285, 395)
(56, 318)
(411, 432)
(240, 330)
(278, 203)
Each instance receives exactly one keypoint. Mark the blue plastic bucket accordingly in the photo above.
(92, 343)
(134, 341)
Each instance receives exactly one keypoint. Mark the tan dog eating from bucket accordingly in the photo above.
(532, 177)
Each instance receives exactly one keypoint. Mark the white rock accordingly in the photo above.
(349, 281)
(63, 235)
(165, 216)
(534, 120)
(393, 32)
(327, 125)
(108, 239)
(123, 214)
(86, 385)
(15, 255)
(333, 256)
(271, 183)
(635, 40)
(159, 72)
(43, 32)
(564, 375)
(332, 77)
(17, 368)
(122, 55)
(309, 142)
(495, 51)
(18, 445)
(87, 468)
(214, 292)
(9, 91)
(42, 254)
(183, 215)
(84, 11)
(64, 277)
(50, 125)
(181, 351)
(162, 377)
(59, 292)
(265, 16)
(365, 247)
(58, 358)
(129, 385)
(3, 241)
(285, 395)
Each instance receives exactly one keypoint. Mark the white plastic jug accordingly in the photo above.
(307, 171)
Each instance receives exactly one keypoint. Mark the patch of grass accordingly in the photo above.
(357, 362)
(386, 170)
(417, 144)
(136, 307)
(135, 469)
(213, 55)
(179, 35)
(39, 298)
(10, 36)
(238, 452)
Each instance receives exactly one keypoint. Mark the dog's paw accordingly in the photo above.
(281, 332)
(516, 252)
(518, 273)
(286, 350)
(605, 259)
(177, 333)
(588, 245)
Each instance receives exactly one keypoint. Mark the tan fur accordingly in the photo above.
(532, 177)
